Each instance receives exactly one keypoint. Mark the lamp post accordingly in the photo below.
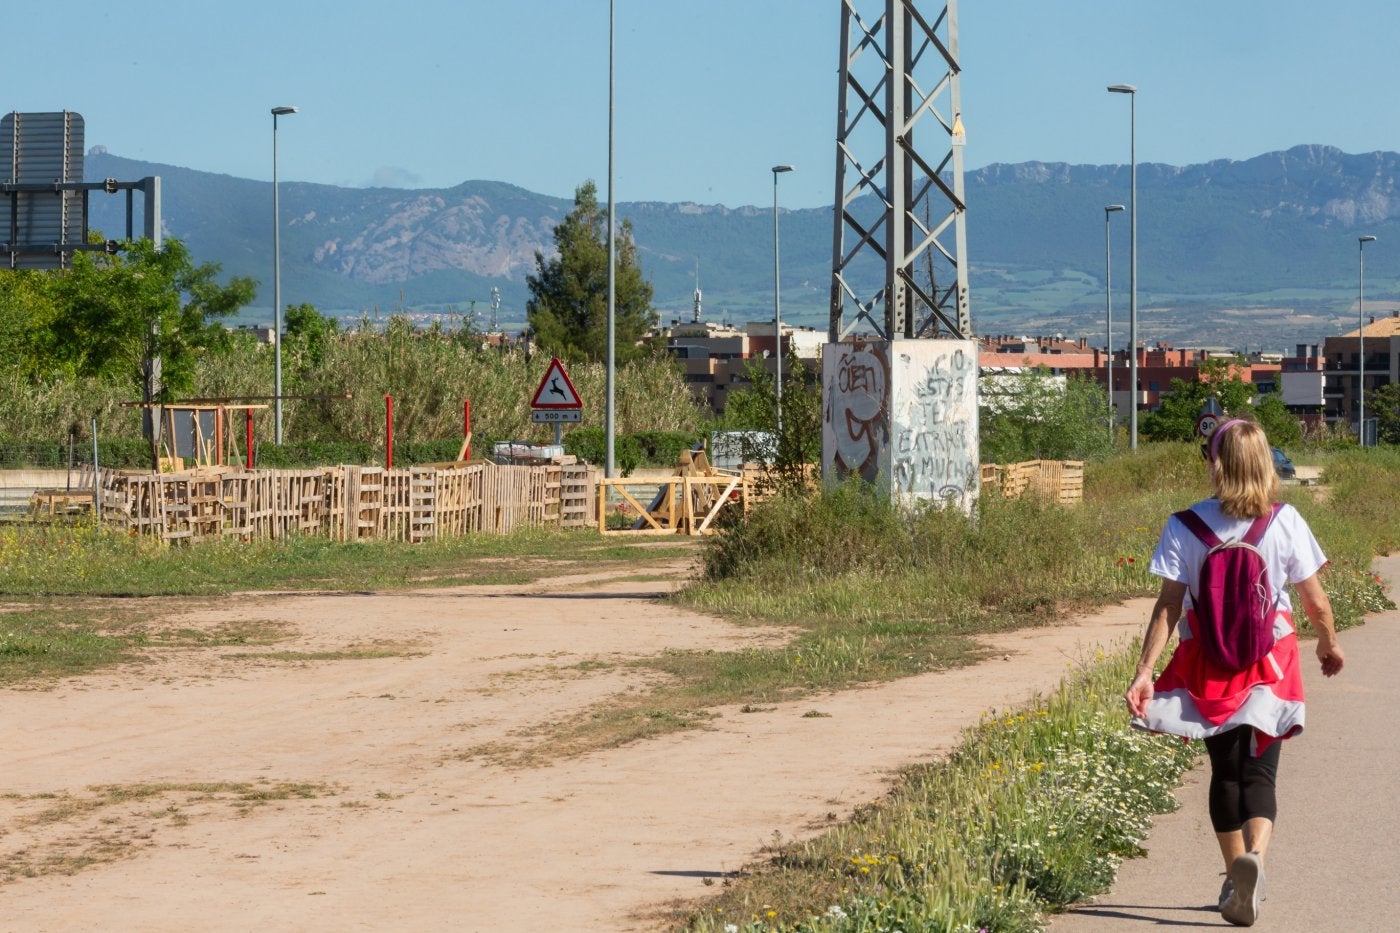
(777, 304)
(277, 279)
(1108, 211)
(610, 405)
(1131, 91)
(1361, 242)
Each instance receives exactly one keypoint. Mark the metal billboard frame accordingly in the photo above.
(47, 201)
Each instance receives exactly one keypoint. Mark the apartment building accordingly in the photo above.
(1314, 383)
(715, 358)
(1343, 365)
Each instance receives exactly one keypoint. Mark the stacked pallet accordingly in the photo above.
(1058, 480)
(348, 503)
(575, 494)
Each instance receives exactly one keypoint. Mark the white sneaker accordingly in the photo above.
(1242, 906)
(1227, 887)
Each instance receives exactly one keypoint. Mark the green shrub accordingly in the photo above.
(630, 451)
(306, 454)
(663, 448)
(1170, 468)
(113, 453)
(1024, 552)
(1035, 810)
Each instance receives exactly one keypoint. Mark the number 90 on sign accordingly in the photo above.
(555, 415)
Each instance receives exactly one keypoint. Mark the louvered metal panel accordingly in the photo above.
(42, 149)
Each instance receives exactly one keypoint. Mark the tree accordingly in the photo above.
(755, 408)
(1033, 417)
(1280, 425)
(119, 312)
(145, 315)
(1175, 418)
(568, 306)
(308, 331)
(27, 312)
(1383, 404)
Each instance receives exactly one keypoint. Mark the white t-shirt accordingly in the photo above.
(1289, 549)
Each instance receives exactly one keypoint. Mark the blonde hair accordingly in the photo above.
(1242, 470)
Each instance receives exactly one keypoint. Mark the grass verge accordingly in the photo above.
(72, 832)
(1034, 811)
(84, 559)
(82, 597)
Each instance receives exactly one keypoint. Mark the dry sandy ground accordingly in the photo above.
(377, 817)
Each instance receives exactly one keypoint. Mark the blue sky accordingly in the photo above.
(710, 93)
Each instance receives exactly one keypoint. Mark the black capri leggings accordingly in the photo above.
(1241, 786)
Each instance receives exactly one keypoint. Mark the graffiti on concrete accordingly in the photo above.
(935, 419)
(856, 415)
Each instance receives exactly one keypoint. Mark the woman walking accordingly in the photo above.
(1234, 679)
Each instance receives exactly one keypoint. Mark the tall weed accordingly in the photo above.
(1012, 557)
(338, 392)
(1035, 810)
(850, 554)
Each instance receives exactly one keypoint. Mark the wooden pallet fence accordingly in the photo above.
(1060, 480)
(684, 504)
(299, 502)
(505, 496)
(349, 503)
(457, 501)
(576, 482)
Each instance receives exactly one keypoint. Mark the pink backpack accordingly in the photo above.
(1234, 609)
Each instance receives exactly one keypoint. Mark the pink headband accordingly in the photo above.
(1219, 433)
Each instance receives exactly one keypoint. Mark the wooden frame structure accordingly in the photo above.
(687, 504)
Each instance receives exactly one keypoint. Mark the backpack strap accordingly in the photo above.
(1210, 539)
(1255, 534)
(1198, 527)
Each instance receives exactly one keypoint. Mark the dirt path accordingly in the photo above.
(212, 790)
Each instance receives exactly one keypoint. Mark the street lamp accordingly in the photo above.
(1361, 242)
(1131, 91)
(1108, 310)
(277, 278)
(777, 305)
(610, 389)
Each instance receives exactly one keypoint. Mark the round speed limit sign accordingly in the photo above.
(1206, 424)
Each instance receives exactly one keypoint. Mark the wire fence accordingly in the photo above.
(44, 456)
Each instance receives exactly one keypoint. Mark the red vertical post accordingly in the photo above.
(248, 438)
(466, 429)
(388, 432)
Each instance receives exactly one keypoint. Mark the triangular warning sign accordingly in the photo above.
(556, 391)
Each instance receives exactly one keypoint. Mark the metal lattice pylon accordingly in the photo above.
(900, 244)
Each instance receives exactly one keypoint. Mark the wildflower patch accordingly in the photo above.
(1036, 810)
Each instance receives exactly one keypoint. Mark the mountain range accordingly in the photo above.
(1253, 254)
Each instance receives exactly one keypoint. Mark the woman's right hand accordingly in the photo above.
(1329, 654)
(1139, 694)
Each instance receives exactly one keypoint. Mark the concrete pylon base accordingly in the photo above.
(902, 415)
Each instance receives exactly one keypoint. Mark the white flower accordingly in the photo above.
(731, 928)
